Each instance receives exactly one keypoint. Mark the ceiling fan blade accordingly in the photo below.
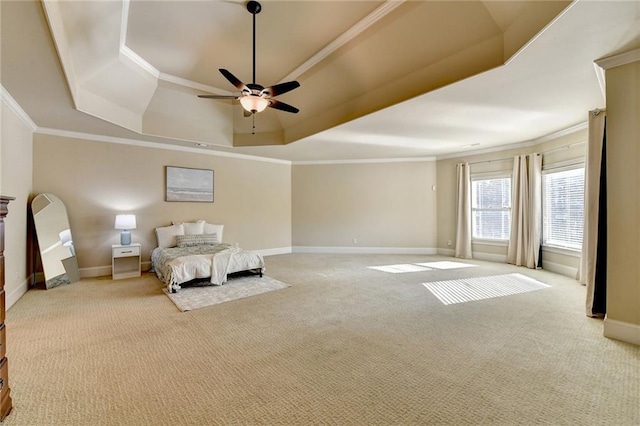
(233, 80)
(281, 88)
(218, 97)
(282, 106)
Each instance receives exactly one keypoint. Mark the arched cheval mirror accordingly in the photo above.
(55, 241)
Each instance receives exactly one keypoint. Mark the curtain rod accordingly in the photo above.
(567, 146)
(491, 161)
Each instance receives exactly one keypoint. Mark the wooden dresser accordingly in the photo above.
(5, 392)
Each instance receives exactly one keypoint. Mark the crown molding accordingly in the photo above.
(542, 31)
(192, 84)
(157, 145)
(127, 52)
(525, 144)
(560, 133)
(17, 109)
(620, 59)
(486, 150)
(368, 161)
(602, 81)
(350, 34)
(137, 59)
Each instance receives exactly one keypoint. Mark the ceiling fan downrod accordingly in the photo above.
(254, 8)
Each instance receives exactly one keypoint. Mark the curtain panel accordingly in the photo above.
(592, 270)
(526, 211)
(463, 212)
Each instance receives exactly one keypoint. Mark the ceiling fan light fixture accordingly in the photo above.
(254, 103)
(254, 97)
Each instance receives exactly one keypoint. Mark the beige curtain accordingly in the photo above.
(526, 211)
(463, 212)
(535, 224)
(588, 257)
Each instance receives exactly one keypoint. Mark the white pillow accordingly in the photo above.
(166, 235)
(210, 228)
(192, 228)
(196, 240)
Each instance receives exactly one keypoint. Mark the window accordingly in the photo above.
(491, 207)
(563, 207)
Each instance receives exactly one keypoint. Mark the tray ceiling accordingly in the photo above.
(423, 77)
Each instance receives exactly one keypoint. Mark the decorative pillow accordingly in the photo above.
(192, 228)
(167, 235)
(210, 228)
(197, 240)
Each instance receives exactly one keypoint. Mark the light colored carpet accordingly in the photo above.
(402, 268)
(479, 288)
(197, 296)
(446, 264)
(344, 345)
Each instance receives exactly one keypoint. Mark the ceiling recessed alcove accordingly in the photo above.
(141, 64)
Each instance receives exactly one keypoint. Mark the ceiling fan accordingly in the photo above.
(253, 97)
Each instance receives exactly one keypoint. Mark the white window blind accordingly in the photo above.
(491, 208)
(563, 208)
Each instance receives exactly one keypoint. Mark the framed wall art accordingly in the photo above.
(187, 184)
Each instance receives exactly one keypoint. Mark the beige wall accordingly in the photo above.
(623, 202)
(98, 180)
(15, 181)
(503, 161)
(389, 205)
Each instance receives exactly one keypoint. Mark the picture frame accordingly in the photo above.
(184, 184)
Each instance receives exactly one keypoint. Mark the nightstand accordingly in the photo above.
(125, 261)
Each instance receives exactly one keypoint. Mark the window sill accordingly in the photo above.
(561, 250)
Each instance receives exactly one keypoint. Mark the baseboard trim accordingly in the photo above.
(558, 268)
(16, 294)
(624, 331)
(446, 252)
(275, 251)
(365, 250)
(96, 271)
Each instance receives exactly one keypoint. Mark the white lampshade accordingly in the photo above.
(125, 221)
(254, 103)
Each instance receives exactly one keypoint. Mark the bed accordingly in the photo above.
(190, 251)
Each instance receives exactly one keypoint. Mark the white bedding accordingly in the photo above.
(176, 266)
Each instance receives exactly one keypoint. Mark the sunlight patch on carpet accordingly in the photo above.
(446, 264)
(189, 298)
(420, 267)
(401, 268)
(471, 289)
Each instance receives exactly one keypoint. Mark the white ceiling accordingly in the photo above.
(379, 79)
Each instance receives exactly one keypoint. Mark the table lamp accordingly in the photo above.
(125, 222)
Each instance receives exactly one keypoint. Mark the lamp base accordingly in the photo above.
(125, 238)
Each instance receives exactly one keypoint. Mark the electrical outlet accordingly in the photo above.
(449, 243)
(355, 241)
(17, 275)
